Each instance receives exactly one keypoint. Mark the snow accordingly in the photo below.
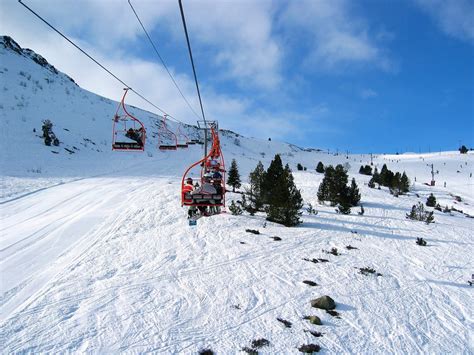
(96, 254)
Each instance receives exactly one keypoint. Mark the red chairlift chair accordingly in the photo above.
(166, 138)
(129, 133)
(182, 139)
(211, 164)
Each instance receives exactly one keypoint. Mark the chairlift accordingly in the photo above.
(181, 139)
(211, 192)
(166, 138)
(129, 133)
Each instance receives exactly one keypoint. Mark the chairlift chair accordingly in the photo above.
(128, 132)
(167, 140)
(212, 163)
(181, 139)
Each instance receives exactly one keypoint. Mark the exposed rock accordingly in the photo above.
(324, 302)
(314, 320)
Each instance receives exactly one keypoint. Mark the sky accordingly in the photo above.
(359, 76)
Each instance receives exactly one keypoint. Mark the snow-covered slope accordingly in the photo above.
(96, 254)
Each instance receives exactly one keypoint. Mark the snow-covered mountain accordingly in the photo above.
(96, 254)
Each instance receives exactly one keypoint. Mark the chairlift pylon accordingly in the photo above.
(128, 132)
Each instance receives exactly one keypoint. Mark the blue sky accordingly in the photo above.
(363, 76)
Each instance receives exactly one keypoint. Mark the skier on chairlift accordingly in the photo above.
(135, 134)
(187, 190)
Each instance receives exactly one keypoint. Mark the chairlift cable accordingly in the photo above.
(191, 57)
(161, 59)
(97, 62)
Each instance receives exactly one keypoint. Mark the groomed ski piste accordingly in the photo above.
(96, 254)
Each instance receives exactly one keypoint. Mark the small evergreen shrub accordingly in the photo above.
(343, 208)
(235, 209)
(418, 213)
(421, 241)
(311, 209)
(48, 134)
(371, 183)
(320, 168)
(431, 201)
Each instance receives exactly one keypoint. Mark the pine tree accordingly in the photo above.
(429, 218)
(376, 176)
(273, 176)
(320, 168)
(324, 187)
(273, 182)
(234, 176)
(395, 184)
(255, 190)
(384, 178)
(354, 194)
(463, 149)
(333, 187)
(299, 167)
(405, 183)
(431, 201)
(339, 190)
(285, 200)
(365, 170)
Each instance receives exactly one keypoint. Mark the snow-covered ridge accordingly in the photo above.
(9, 44)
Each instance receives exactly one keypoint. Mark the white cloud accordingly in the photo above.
(454, 17)
(368, 93)
(335, 36)
(237, 35)
(240, 35)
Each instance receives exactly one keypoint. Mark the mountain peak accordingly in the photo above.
(10, 44)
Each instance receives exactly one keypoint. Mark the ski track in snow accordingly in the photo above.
(109, 264)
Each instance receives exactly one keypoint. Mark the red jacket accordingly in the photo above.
(187, 188)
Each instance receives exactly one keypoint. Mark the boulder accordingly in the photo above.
(315, 320)
(324, 302)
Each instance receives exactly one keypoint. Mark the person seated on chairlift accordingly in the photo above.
(135, 134)
(218, 186)
(207, 188)
(216, 176)
(188, 187)
(213, 163)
